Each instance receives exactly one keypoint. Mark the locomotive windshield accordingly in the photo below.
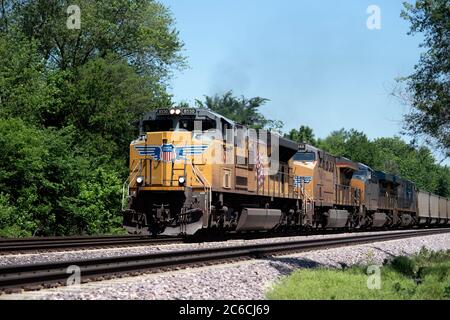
(196, 124)
(158, 125)
(305, 156)
(362, 174)
(177, 124)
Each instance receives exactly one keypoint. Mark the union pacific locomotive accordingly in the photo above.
(193, 171)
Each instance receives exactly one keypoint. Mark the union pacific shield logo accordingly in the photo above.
(300, 180)
(167, 152)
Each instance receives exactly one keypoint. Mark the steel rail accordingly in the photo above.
(58, 238)
(20, 245)
(34, 276)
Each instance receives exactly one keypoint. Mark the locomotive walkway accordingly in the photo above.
(37, 276)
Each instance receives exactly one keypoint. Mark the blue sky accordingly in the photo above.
(316, 61)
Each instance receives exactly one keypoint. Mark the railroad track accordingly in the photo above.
(37, 276)
(8, 246)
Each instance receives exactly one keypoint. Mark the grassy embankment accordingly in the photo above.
(423, 276)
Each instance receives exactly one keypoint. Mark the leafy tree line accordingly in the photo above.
(68, 100)
(240, 109)
(427, 90)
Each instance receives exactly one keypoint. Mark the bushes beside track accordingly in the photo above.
(423, 276)
(47, 186)
(67, 115)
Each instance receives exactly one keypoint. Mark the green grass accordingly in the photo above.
(424, 276)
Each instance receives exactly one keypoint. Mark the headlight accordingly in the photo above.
(178, 111)
(181, 181)
(172, 111)
(140, 180)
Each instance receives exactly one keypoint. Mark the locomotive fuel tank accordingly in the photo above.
(258, 219)
(379, 219)
(336, 218)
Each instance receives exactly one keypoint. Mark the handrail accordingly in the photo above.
(347, 195)
(204, 182)
(306, 199)
(126, 184)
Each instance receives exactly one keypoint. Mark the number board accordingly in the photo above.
(166, 112)
(162, 112)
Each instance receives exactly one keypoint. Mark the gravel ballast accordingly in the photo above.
(70, 255)
(243, 280)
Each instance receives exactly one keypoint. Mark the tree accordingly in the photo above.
(275, 126)
(68, 101)
(24, 86)
(427, 90)
(443, 183)
(415, 164)
(304, 134)
(30, 174)
(5, 8)
(360, 148)
(106, 96)
(242, 110)
(55, 189)
(351, 144)
(115, 65)
(139, 31)
(335, 142)
(8, 223)
(100, 78)
(95, 208)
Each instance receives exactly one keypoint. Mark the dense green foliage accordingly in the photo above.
(424, 276)
(427, 90)
(49, 188)
(68, 101)
(242, 110)
(303, 135)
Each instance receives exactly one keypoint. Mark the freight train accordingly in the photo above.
(194, 171)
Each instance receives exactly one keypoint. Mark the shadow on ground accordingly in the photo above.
(286, 265)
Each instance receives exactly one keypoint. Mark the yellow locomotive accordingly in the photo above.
(193, 170)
